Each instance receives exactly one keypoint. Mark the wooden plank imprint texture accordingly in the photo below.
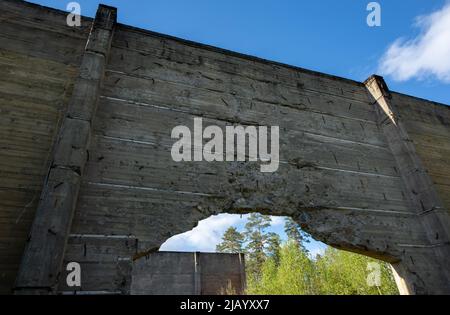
(428, 125)
(334, 158)
(39, 58)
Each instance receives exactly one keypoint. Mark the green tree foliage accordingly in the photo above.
(346, 273)
(232, 242)
(294, 275)
(336, 272)
(256, 239)
(273, 246)
(288, 269)
(294, 233)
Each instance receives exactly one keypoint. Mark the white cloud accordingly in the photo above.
(427, 55)
(277, 221)
(208, 233)
(204, 237)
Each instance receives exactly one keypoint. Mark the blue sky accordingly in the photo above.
(208, 234)
(323, 35)
(411, 48)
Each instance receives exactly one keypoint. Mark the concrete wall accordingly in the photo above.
(356, 170)
(428, 125)
(168, 273)
(39, 60)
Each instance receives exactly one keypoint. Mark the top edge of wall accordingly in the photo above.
(236, 54)
(421, 99)
(223, 51)
(45, 8)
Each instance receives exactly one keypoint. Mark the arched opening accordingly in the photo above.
(292, 261)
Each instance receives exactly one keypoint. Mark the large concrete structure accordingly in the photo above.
(87, 175)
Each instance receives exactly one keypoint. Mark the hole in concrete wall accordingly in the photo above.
(209, 232)
(318, 270)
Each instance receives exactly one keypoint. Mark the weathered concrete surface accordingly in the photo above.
(342, 174)
(49, 233)
(167, 273)
(39, 61)
(423, 197)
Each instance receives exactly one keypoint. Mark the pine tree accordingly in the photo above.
(232, 242)
(273, 247)
(256, 239)
(295, 233)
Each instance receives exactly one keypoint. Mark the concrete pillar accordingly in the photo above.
(424, 268)
(41, 264)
